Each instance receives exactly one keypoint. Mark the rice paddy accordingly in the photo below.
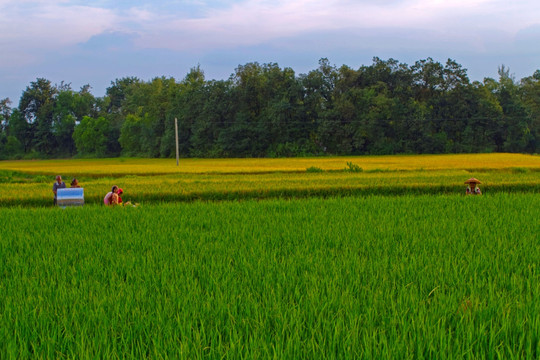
(147, 167)
(28, 183)
(390, 262)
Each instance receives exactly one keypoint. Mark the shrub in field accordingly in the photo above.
(352, 167)
(520, 170)
(42, 179)
(314, 169)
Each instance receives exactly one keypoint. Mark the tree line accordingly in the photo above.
(263, 110)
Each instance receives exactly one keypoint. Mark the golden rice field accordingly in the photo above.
(159, 180)
(121, 166)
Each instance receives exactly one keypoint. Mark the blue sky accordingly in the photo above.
(95, 42)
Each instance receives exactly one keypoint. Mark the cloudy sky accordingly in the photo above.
(95, 42)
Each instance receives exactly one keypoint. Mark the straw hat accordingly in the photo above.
(473, 181)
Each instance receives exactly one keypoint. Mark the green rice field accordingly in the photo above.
(392, 264)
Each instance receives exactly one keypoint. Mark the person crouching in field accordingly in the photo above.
(472, 187)
(120, 192)
(75, 183)
(112, 197)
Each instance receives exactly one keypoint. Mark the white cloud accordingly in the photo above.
(27, 27)
(254, 22)
(43, 37)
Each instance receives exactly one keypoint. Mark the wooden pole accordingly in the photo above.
(176, 134)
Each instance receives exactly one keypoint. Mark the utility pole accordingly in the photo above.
(176, 135)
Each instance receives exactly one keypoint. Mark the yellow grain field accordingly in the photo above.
(121, 166)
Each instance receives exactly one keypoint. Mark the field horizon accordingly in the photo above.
(146, 166)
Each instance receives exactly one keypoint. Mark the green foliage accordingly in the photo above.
(42, 179)
(36, 106)
(12, 147)
(352, 167)
(520, 170)
(33, 155)
(91, 137)
(131, 136)
(314, 169)
(263, 110)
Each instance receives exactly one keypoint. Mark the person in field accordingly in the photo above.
(112, 197)
(58, 184)
(120, 192)
(75, 183)
(472, 187)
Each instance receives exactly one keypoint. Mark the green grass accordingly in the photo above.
(375, 277)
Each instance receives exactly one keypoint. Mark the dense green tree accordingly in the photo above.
(91, 136)
(37, 106)
(217, 114)
(10, 147)
(5, 113)
(130, 136)
(118, 91)
(64, 121)
(517, 132)
(20, 129)
(151, 101)
(319, 85)
(186, 105)
(114, 109)
(135, 134)
(84, 103)
(530, 95)
(264, 110)
(428, 80)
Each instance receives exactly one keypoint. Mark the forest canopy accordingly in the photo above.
(263, 110)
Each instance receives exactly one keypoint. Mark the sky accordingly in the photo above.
(95, 42)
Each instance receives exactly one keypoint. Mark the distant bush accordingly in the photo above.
(314, 169)
(520, 170)
(353, 167)
(42, 179)
(34, 155)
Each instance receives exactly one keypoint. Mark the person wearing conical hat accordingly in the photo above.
(472, 187)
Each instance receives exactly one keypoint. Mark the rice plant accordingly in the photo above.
(370, 277)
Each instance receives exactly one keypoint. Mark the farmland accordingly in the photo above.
(388, 262)
(151, 180)
(146, 167)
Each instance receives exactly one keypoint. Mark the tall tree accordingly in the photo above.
(515, 120)
(319, 88)
(530, 95)
(91, 136)
(5, 112)
(186, 105)
(217, 114)
(36, 106)
(152, 101)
